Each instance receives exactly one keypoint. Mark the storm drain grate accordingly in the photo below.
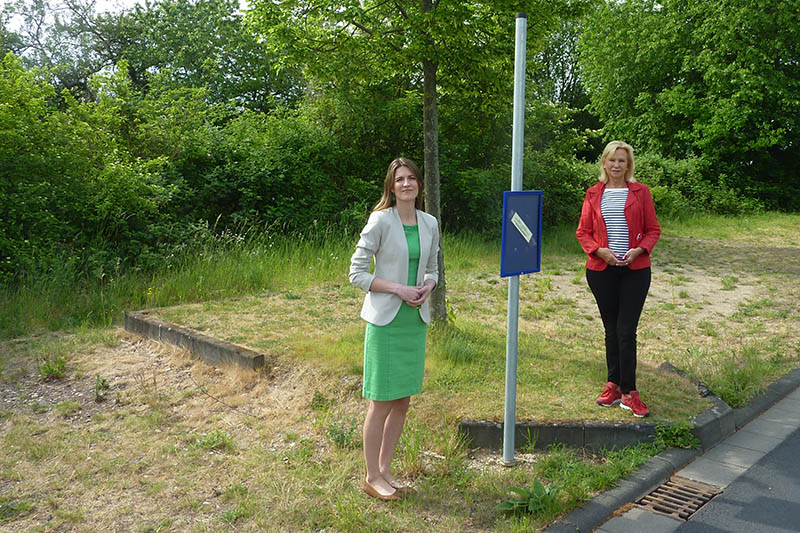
(679, 497)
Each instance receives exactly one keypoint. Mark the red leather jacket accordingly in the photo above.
(640, 213)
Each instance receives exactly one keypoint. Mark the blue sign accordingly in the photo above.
(521, 251)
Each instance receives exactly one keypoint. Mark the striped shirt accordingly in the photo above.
(612, 206)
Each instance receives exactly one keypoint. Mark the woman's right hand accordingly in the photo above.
(408, 293)
(608, 256)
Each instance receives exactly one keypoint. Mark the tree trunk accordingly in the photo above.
(430, 115)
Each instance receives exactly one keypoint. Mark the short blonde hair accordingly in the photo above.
(610, 148)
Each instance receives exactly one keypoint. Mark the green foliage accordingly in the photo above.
(678, 435)
(319, 402)
(12, 509)
(530, 441)
(714, 81)
(166, 44)
(216, 440)
(52, 368)
(100, 388)
(71, 198)
(739, 377)
(343, 433)
(282, 170)
(540, 499)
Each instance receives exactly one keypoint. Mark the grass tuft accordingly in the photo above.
(539, 499)
(216, 440)
(12, 509)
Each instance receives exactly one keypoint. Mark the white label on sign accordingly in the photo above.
(522, 227)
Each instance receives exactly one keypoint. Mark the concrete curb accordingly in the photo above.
(710, 426)
(209, 349)
(716, 425)
(591, 434)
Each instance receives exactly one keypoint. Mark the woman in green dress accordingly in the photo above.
(404, 242)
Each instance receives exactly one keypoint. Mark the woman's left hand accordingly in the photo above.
(633, 254)
(424, 292)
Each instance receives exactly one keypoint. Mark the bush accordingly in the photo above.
(682, 187)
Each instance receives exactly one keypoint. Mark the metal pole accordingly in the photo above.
(512, 336)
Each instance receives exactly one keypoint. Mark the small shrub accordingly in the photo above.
(100, 388)
(319, 402)
(51, 369)
(343, 433)
(540, 499)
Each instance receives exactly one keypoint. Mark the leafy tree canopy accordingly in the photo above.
(718, 80)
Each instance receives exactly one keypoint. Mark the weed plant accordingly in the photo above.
(216, 440)
(100, 388)
(343, 431)
(679, 435)
(53, 368)
(539, 499)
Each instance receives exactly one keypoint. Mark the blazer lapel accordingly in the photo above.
(425, 237)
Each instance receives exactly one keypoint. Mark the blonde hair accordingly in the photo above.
(610, 148)
(388, 200)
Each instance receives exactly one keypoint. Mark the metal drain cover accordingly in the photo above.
(679, 497)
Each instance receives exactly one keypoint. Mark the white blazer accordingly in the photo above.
(384, 239)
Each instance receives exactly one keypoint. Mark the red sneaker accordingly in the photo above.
(632, 403)
(611, 395)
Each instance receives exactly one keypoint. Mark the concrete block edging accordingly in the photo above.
(212, 351)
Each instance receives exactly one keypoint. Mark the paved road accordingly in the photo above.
(765, 499)
(758, 469)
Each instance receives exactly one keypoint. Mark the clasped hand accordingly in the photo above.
(415, 295)
(609, 257)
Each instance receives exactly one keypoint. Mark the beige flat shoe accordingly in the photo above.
(372, 491)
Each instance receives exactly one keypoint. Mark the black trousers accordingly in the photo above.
(620, 294)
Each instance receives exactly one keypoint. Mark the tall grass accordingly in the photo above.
(225, 266)
(256, 260)
(250, 261)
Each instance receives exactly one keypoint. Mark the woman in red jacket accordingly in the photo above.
(618, 230)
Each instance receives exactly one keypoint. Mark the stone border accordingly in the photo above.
(591, 434)
(658, 469)
(710, 427)
(209, 349)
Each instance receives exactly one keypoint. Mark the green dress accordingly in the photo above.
(394, 354)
